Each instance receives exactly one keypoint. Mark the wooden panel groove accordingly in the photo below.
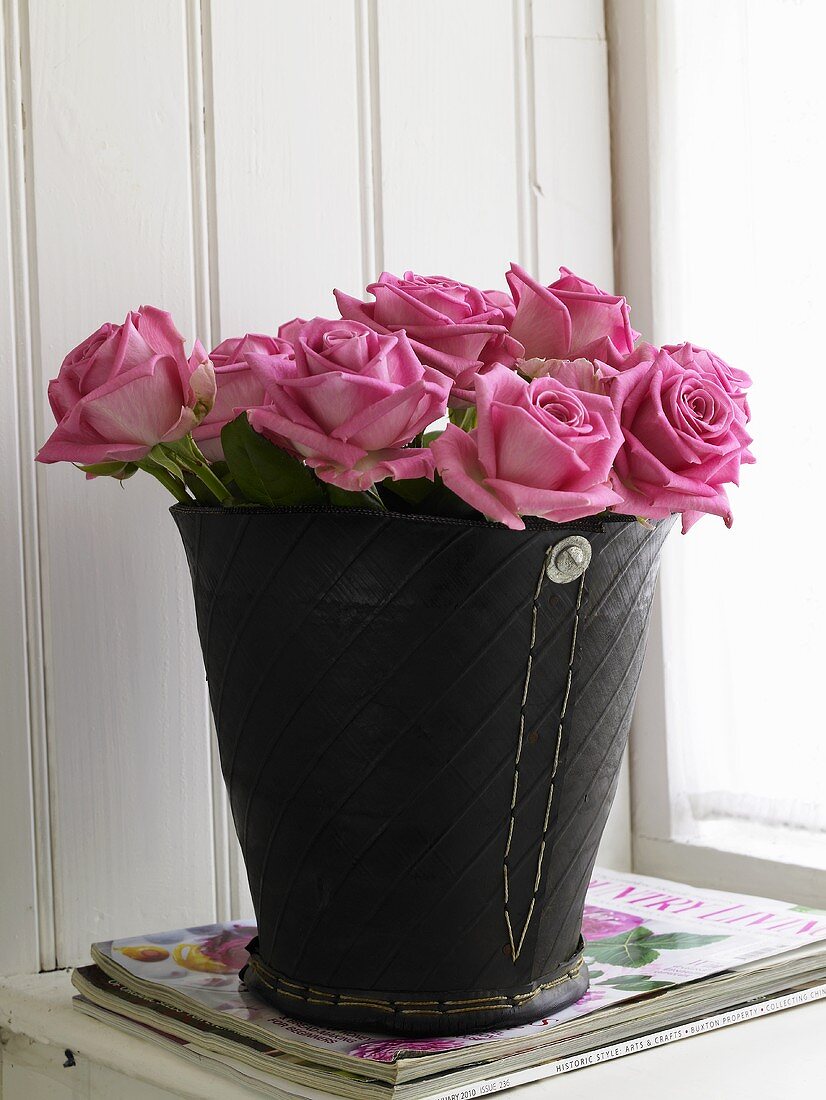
(525, 133)
(27, 835)
(202, 172)
(367, 62)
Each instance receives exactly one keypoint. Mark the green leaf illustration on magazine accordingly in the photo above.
(641, 946)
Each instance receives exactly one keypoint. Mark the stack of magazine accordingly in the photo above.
(666, 962)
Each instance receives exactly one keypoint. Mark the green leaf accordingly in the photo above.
(161, 457)
(184, 453)
(463, 418)
(174, 484)
(201, 493)
(119, 470)
(640, 933)
(222, 471)
(426, 498)
(673, 941)
(410, 490)
(263, 472)
(635, 983)
(342, 498)
(629, 949)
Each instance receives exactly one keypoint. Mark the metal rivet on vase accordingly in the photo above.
(568, 560)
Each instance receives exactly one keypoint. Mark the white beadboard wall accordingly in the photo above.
(232, 162)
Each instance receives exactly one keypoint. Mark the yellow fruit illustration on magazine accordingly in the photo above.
(190, 956)
(144, 953)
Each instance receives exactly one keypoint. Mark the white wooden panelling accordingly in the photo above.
(569, 19)
(447, 102)
(573, 151)
(129, 740)
(19, 947)
(287, 159)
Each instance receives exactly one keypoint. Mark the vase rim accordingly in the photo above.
(593, 524)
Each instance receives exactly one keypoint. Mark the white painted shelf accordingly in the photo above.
(770, 1057)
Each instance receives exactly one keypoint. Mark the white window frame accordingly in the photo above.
(666, 840)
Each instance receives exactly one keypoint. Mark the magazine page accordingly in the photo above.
(642, 935)
(475, 1083)
(202, 963)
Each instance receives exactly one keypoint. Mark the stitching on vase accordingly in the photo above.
(516, 948)
(310, 995)
(588, 524)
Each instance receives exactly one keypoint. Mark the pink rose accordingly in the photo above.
(349, 402)
(237, 386)
(577, 374)
(539, 449)
(735, 382)
(290, 329)
(125, 389)
(684, 440)
(598, 923)
(642, 353)
(570, 319)
(456, 329)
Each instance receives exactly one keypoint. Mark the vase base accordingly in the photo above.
(418, 1014)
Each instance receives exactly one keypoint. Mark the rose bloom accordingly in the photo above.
(734, 381)
(456, 329)
(684, 440)
(237, 388)
(570, 319)
(642, 353)
(125, 389)
(539, 449)
(349, 402)
(577, 374)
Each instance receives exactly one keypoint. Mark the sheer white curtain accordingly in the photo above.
(742, 269)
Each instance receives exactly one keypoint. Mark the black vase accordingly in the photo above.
(421, 722)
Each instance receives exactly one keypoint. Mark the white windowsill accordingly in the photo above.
(721, 868)
(770, 1056)
(777, 843)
